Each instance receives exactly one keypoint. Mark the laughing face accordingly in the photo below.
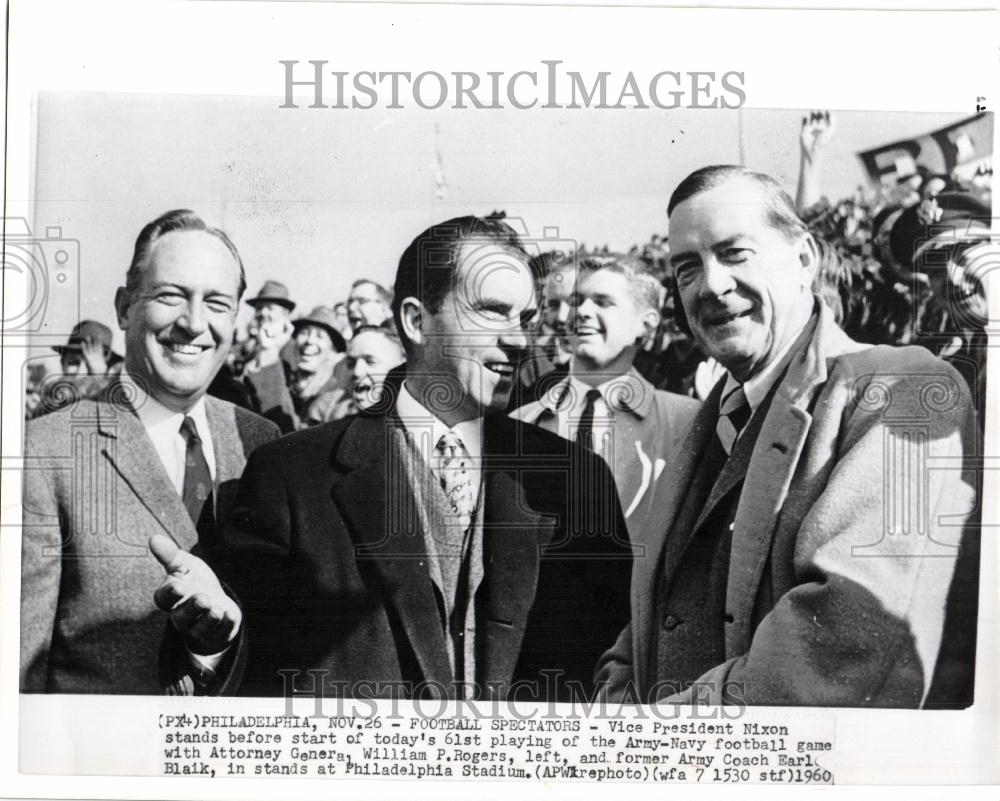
(314, 347)
(179, 321)
(608, 323)
(370, 356)
(744, 284)
(467, 353)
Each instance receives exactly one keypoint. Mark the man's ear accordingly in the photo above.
(122, 302)
(411, 316)
(650, 319)
(810, 259)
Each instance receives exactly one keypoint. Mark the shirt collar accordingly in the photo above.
(154, 415)
(415, 417)
(757, 387)
(621, 393)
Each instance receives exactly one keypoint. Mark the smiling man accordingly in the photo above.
(604, 404)
(151, 462)
(436, 548)
(811, 524)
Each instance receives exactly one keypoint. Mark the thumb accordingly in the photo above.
(167, 553)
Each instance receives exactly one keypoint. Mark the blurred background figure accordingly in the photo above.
(371, 354)
(308, 393)
(342, 320)
(270, 331)
(87, 365)
(368, 304)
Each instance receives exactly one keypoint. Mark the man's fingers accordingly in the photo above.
(187, 612)
(167, 553)
(168, 594)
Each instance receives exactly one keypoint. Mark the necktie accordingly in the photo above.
(456, 481)
(585, 433)
(197, 478)
(734, 413)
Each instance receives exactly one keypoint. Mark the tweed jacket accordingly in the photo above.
(94, 492)
(328, 558)
(646, 425)
(856, 495)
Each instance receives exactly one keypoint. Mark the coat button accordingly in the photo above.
(670, 622)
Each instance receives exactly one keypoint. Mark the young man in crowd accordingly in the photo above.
(603, 403)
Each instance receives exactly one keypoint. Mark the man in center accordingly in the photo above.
(441, 548)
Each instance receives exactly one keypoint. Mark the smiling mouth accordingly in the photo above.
(185, 349)
(724, 318)
(504, 369)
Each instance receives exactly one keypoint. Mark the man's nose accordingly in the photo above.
(515, 338)
(584, 309)
(716, 278)
(194, 319)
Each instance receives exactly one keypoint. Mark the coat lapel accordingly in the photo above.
(511, 539)
(653, 541)
(131, 453)
(229, 456)
(772, 466)
(376, 501)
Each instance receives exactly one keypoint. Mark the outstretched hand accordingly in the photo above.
(199, 608)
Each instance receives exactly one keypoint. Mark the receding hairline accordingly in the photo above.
(209, 232)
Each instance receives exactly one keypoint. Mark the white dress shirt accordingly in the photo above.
(164, 429)
(757, 387)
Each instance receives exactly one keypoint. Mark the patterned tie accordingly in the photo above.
(585, 433)
(197, 478)
(456, 481)
(734, 413)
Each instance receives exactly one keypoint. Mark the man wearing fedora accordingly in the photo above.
(118, 489)
(271, 328)
(87, 364)
(309, 393)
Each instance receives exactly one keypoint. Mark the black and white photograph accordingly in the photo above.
(524, 418)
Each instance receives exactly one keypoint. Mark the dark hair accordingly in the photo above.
(781, 213)
(176, 220)
(645, 288)
(428, 265)
(383, 294)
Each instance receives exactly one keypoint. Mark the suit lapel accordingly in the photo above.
(772, 467)
(376, 501)
(226, 442)
(510, 561)
(653, 537)
(132, 455)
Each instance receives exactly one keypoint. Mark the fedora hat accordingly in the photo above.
(273, 292)
(326, 319)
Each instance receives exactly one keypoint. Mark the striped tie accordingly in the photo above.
(734, 412)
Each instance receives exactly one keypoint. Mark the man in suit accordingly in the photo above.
(801, 551)
(432, 545)
(604, 404)
(151, 455)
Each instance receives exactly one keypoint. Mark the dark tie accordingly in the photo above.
(585, 433)
(734, 413)
(197, 479)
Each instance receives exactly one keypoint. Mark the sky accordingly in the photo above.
(317, 198)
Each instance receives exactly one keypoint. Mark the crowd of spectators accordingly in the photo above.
(901, 264)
